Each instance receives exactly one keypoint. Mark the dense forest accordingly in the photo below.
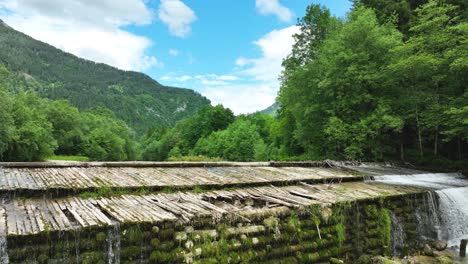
(143, 103)
(388, 82)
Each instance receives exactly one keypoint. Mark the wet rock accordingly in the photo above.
(336, 261)
(444, 260)
(383, 260)
(427, 250)
(439, 245)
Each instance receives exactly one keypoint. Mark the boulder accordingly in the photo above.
(439, 245)
(428, 251)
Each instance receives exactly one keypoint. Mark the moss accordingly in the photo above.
(91, 257)
(293, 223)
(385, 228)
(101, 237)
(165, 234)
(133, 234)
(131, 252)
(42, 259)
(162, 257)
(444, 260)
(155, 242)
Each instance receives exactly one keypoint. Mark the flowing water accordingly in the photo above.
(446, 203)
(113, 244)
(398, 241)
(3, 250)
(453, 211)
(3, 241)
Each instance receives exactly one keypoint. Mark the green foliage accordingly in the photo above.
(181, 139)
(141, 102)
(32, 138)
(384, 227)
(363, 90)
(34, 129)
(68, 158)
(238, 142)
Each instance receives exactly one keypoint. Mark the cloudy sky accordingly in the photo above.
(230, 51)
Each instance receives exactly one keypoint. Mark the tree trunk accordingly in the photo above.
(436, 139)
(402, 150)
(459, 147)
(419, 134)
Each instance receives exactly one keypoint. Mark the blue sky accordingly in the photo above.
(230, 51)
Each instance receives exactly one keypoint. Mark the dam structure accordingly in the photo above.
(223, 212)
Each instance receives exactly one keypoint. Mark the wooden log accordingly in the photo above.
(463, 244)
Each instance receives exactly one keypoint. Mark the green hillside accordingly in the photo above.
(134, 97)
(271, 110)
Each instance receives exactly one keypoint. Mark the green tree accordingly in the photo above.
(7, 128)
(33, 139)
(432, 65)
(67, 126)
(339, 100)
(238, 142)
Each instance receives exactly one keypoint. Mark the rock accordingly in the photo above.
(336, 261)
(439, 245)
(427, 250)
(444, 260)
(383, 260)
(180, 236)
(188, 244)
(255, 241)
(155, 229)
(189, 229)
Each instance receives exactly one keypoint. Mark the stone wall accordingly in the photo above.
(272, 235)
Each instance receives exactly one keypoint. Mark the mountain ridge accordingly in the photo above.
(133, 96)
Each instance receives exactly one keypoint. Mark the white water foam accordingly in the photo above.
(425, 180)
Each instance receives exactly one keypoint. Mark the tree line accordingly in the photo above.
(387, 82)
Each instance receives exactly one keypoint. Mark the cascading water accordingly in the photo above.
(113, 244)
(3, 239)
(446, 203)
(398, 238)
(453, 211)
(434, 181)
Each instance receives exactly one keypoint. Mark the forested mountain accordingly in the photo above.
(271, 110)
(134, 97)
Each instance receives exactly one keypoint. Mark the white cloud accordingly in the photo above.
(184, 78)
(242, 98)
(273, 7)
(275, 46)
(173, 52)
(253, 85)
(258, 76)
(88, 29)
(177, 16)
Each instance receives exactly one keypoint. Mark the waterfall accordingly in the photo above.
(398, 236)
(3, 235)
(453, 211)
(3, 250)
(113, 243)
(445, 213)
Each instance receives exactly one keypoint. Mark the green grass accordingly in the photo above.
(68, 158)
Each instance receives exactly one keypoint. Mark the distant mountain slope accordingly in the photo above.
(271, 110)
(135, 97)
